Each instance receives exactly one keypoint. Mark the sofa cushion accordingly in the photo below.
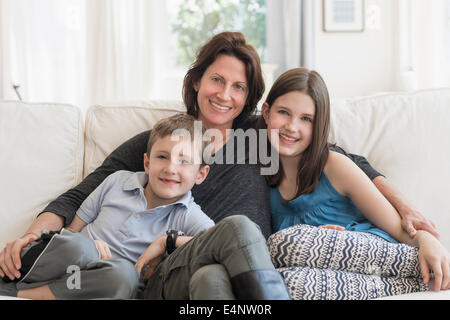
(406, 137)
(42, 158)
(108, 126)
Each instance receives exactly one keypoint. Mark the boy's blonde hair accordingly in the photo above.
(168, 126)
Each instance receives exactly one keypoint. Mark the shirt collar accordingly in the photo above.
(138, 180)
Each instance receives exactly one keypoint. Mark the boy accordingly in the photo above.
(129, 211)
(160, 198)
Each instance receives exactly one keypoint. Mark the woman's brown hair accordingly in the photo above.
(315, 156)
(232, 44)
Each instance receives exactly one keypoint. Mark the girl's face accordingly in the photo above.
(293, 115)
(221, 92)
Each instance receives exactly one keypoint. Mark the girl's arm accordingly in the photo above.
(350, 181)
(412, 219)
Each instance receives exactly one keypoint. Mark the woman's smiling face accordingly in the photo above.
(222, 92)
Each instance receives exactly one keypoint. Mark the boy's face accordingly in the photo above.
(171, 169)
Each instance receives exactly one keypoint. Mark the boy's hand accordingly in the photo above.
(103, 249)
(151, 257)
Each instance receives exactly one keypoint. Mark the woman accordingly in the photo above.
(221, 89)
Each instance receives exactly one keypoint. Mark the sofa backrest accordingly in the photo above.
(41, 157)
(108, 126)
(403, 135)
(406, 136)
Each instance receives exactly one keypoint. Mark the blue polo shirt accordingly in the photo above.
(116, 212)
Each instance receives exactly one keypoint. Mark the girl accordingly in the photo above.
(319, 187)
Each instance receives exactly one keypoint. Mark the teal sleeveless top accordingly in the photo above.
(324, 206)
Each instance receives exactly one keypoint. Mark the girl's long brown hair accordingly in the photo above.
(315, 156)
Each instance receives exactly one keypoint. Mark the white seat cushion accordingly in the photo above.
(47, 145)
(108, 126)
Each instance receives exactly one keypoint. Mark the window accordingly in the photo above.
(47, 49)
(194, 21)
(446, 38)
(93, 52)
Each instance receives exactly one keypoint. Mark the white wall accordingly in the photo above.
(359, 63)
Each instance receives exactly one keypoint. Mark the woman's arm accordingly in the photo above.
(412, 219)
(10, 261)
(61, 211)
(127, 156)
(360, 161)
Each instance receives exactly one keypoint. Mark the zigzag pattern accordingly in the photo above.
(355, 265)
(306, 283)
(359, 252)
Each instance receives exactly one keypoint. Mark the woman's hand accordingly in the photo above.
(10, 261)
(151, 257)
(433, 256)
(103, 249)
(413, 220)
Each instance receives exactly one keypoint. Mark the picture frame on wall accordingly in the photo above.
(343, 15)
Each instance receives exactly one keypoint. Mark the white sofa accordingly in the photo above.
(48, 148)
